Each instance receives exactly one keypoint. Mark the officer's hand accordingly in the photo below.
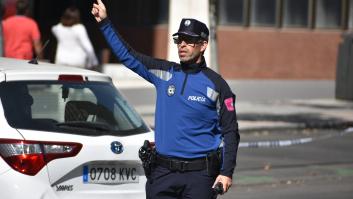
(98, 11)
(226, 181)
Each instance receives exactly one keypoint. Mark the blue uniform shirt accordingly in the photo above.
(195, 109)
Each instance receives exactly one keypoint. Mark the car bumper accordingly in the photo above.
(15, 185)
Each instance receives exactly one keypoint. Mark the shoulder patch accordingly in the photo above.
(212, 94)
(229, 102)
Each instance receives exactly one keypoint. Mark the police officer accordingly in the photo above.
(195, 114)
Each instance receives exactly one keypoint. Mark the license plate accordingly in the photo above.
(110, 174)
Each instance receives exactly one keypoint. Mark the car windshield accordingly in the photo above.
(85, 108)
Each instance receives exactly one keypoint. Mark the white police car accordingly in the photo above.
(67, 133)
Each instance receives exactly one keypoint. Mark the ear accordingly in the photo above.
(204, 46)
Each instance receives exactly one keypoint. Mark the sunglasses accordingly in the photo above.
(190, 41)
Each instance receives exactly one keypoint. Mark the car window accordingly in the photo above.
(89, 108)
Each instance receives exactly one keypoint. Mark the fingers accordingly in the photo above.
(99, 11)
(226, 187)
(96, 6)
(94, 10)
(101, 4)
(226, 182)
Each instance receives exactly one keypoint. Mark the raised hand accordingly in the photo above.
(99, 11)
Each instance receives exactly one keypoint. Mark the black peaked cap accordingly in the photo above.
(194, 28)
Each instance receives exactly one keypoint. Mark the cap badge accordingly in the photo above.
(187, 23)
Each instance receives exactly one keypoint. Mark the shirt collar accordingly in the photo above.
(194, 67)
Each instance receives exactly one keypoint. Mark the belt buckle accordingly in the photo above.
(175, 165)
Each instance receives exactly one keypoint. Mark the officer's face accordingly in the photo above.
(190, 49)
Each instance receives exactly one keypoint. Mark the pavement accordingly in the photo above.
(302, 110)
(295, 114)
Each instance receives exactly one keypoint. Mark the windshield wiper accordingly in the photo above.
(85, 125)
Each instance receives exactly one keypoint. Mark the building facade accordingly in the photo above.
(250, 39)
(281, 39)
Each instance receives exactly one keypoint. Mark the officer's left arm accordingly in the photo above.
(230, 132)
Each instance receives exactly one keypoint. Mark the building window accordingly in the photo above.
(263, 12)
(139, 12)
(163, 11)
(286, 13)
(295, 13)
(350, 19)
(231, 12)
(328, 14)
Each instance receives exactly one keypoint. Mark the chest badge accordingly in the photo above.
(171, 90)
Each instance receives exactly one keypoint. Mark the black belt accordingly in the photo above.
(182, 165)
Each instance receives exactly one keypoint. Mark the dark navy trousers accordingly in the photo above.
(166, 184)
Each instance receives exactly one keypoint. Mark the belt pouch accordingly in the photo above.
(213, 161)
